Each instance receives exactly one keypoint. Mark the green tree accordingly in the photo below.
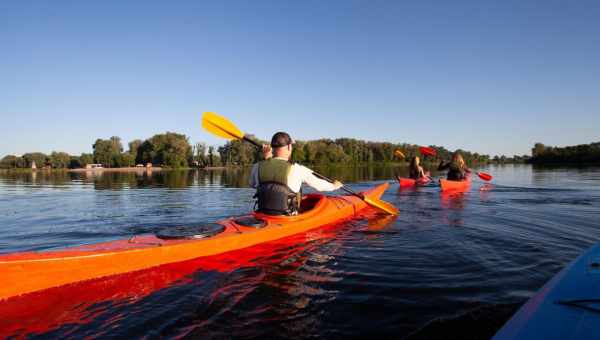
(123, 160)
(39, 158)
(171, 149)
(75, 162)
(106, 151)
(582, 153)
(236, 152)
(12, 162)
(298, 152)
(60, 160)
(310, 152)
(213, 158)
(134, 145)
(538, 149)
(200, 154)
(85, 159)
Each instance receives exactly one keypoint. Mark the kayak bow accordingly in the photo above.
(27, 272)
(566, 307)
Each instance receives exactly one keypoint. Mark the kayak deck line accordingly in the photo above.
(26, 272)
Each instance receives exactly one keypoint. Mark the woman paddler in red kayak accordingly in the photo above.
(457, 168)
(416, 171)
(278, 182)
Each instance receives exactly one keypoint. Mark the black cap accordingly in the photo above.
(281, 139)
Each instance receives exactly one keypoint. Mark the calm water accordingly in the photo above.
(447, 267)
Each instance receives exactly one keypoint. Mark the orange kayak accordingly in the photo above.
(448, 185)
(27, 272)
(409, 182)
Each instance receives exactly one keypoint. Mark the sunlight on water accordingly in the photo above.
(443, 260)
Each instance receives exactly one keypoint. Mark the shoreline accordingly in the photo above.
(128, 169)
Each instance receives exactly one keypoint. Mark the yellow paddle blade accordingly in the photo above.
(399, 154)
(381, 205)
(220, 126)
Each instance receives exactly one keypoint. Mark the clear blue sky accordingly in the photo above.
(492, 77)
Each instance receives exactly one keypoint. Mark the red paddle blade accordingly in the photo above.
(484, 176)
(427, 151)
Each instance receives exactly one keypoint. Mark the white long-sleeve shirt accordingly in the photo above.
(298, 174)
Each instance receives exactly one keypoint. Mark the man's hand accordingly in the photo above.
(337, 184)
(267, 151)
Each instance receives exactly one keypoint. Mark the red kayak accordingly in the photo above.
(409, 182)
(448, 185)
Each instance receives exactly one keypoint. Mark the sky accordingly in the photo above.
(492, 77)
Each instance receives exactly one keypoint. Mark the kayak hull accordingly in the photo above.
(455, 186)
(410, 183)
(549, 314)
(27, 272)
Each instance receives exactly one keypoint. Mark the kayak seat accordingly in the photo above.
(197, 231)
(308, 202)
(250, 221)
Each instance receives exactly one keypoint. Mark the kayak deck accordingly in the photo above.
(566, 307)
(26, 272)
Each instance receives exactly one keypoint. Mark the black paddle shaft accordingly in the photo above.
(348, 190)
(253, 142)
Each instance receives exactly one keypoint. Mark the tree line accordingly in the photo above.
(174, 150)
(340, 151)
(516, 159)
(168, 149)
(582, 153)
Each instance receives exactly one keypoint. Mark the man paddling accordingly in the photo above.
(278, 182)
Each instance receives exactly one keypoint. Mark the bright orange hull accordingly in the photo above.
(447, 185)
(409, 182)
(27, 272)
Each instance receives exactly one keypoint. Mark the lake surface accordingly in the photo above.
(450, 266)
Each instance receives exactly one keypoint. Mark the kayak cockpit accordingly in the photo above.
(310, 205)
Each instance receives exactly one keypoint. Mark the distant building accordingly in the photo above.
(139, 165)
(33, 166)
(93, 166)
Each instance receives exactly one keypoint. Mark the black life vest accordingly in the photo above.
(274, 196)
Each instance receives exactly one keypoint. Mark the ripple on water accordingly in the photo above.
(445, 260)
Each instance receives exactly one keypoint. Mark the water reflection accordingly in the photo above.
(380, 223)
(378, 276)
(453, 204)
(178, 179)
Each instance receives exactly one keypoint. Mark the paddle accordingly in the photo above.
(427, 151)
(484, 176)
(424, 150)
(222, 127)
(382, 205)
(399, 154)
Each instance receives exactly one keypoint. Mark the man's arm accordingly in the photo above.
(315, 182)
